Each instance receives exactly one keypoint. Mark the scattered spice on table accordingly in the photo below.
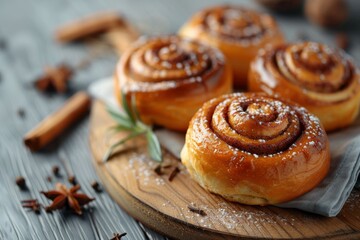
(32, 204)
(72, 180)
(96, 186)
(56, 170)
(174, 173)
(158, 170)
(54, 79)
(197, 210)
(49, 178)
(21, 182)
(66, 197)
(118, 236)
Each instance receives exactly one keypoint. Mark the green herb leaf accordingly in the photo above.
(126, 107)
(134, 108)
(121, 119)
(111, 131)
(129, 121)
(122, 141)
(153, 146)
(118, 128)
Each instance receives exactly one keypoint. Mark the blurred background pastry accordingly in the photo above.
(170, 78)
(320, 78)
(326, 13)
(238, 32)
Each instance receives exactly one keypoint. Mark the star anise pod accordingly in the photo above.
(63, 196)
(31, 204)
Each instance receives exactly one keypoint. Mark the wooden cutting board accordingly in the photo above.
(162, 205)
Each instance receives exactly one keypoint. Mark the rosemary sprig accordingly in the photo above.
(131, 123)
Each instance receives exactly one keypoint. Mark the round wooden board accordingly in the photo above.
(130, 179)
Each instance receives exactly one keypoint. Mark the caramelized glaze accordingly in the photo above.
(256, 149)
(236, 31)
(171, 77)
(312, 74)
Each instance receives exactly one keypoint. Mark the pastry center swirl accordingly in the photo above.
(314, 66)
(257, 126)
(263, 111)
(236, 23)
(171, 59)
(314, 57)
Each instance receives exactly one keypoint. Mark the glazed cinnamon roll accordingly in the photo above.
(237, 32)
(323, 80)
(171, 77)
(256, 149)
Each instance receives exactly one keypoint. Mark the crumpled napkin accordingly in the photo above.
(326, 199)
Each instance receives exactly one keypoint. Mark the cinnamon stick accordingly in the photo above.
(117, 29)
(120, 33)
(55, 124)
(88, 26)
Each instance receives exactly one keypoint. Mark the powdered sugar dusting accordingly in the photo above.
(225, 215)
(142, 167)
(170, 61)
(238, 25)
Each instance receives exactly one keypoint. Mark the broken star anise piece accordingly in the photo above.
(54, 79)
(31, 204)
(63, 196)
(118, 236)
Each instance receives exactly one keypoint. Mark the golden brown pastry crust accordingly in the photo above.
(237, 32)
(255, 149)
(171, 77)
(323, 80)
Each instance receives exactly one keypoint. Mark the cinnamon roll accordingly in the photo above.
(237, 32)
(171, 77)
(323, 80)
(256, 149)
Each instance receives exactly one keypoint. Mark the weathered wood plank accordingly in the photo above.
(26, 54)
(35, 167)
(27, 27)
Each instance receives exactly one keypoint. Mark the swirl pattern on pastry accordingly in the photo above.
(237, 31)
(237, 24)
(256, 149)
(171, 78)
(312, 74)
